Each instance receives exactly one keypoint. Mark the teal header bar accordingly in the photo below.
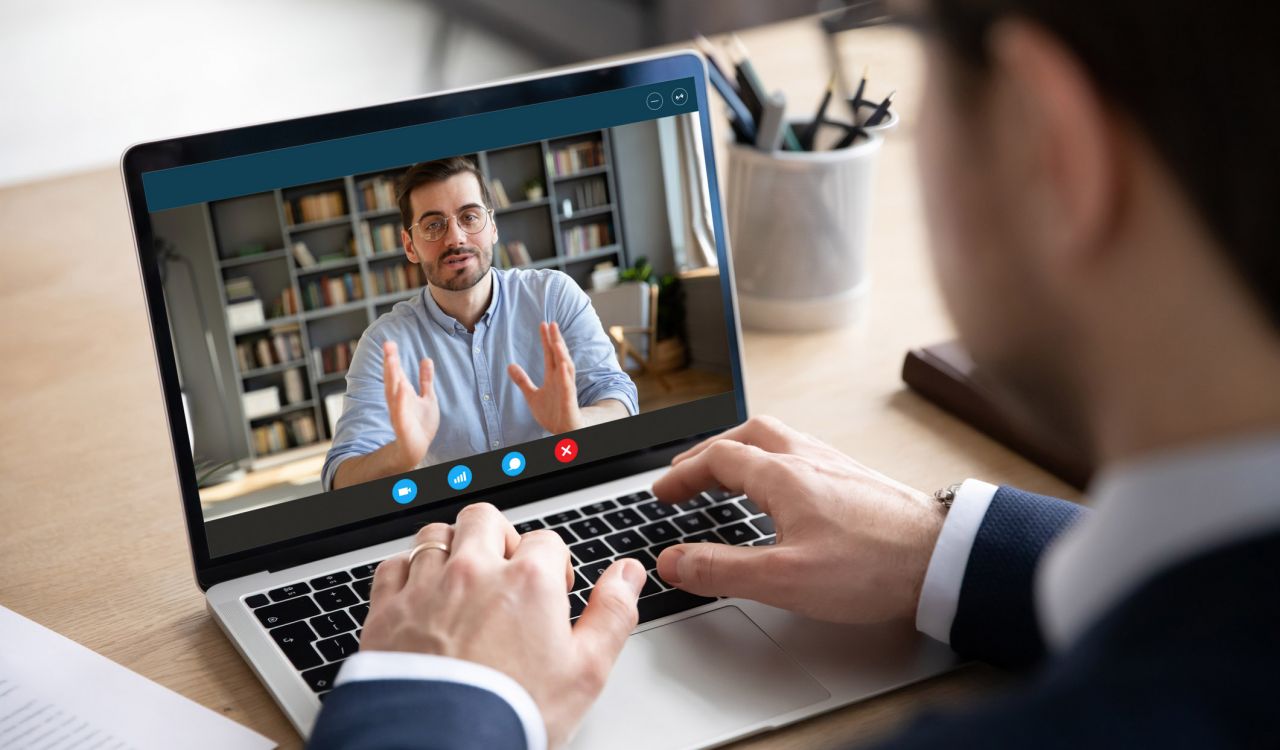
(387, 149)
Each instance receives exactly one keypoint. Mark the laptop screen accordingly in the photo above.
(405, 318)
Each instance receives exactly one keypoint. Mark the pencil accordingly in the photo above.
(812, 131)
(752, 88)
(881, 110)
(855, 102)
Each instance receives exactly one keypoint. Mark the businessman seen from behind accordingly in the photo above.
(1099, 179)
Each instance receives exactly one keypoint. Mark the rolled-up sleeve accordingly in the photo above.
(365, 424)
(595, 360)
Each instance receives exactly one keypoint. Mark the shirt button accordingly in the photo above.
(476, 350)
(494, 444)
(485, 397)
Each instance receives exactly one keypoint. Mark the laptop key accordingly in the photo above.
(595, 509)
(257, 600)
(295, 641)
(765, 542)
(363, 587)
(358, 613)
(565, 534)
(338, 647)
(332, 624)
(291, 591)
(579, 583)
(636, 497)
(656, 549)
(329, 581)
(702, 536)
(726, 513)
(763, 524)
(321, 678)
(624, 519)
(593, 571)
(721, 495)
(645, 559)
(590, 528)
(283, 613)
(749, 506)
(660, 532)
(692, 523)
(524, 527)
(590, 551)
(364, 571)
(576, 605)
(336, 598)
(738, 533)
(694, 503)
(651, 587)
(668, 603)
(564, 516)
(626, 541)
(655, 510)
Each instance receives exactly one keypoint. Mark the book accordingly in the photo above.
(500, 198)
(303, 255)
(239, 289)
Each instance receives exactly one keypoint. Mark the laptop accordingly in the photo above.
(272, 256)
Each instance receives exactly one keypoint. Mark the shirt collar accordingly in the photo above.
(446, 322)
(1150, 515)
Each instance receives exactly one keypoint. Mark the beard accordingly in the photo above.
(442, 275)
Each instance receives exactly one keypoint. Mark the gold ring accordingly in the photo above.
(428, 545)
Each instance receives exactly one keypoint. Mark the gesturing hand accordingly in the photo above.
(415, 417)
(498, 599)
(555, 404)
(852, 546)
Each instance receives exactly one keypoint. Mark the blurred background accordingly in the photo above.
(86, 79)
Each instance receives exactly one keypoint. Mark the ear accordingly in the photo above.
(409, 251)
(1070, 141)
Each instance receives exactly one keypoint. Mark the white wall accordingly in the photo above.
(83, 79)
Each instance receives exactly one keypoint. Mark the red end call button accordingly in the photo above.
(566, 450)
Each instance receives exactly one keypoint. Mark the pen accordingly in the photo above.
(742, 122)
(881, 111)
(855, 102)
(753, 92)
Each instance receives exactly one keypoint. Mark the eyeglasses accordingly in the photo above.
(472, 221)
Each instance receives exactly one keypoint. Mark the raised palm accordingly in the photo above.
(415, 414)
(555, 403)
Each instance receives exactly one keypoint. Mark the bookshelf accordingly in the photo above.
(556, 206)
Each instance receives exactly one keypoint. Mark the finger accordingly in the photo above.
(390, 369)
(709, 569)
(548, 353)
(483, 534)
(426, 376)
(428, 563)
(767, 433)
(522, 380)
(547, 548)
(725, 463)
(609, 618)
(389, 578)
(559, 346)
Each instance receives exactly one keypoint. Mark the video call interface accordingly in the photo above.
(375, 340)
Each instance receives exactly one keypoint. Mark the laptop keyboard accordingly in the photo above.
(317, 623)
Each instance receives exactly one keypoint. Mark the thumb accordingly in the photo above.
(522, 381)
(610, 617)
(709, 569)
(426, 376)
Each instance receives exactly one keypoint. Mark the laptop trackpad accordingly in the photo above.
(693, 682)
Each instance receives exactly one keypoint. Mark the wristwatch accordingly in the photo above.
(947, 495)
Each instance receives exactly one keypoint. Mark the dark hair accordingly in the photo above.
(439, 170)
(1199, 79)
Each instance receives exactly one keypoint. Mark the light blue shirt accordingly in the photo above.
(480, 408)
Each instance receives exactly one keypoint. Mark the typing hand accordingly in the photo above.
(852, 545)
(555, 404)
(499, 599)
(414, 416)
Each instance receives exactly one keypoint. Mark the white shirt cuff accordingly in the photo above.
(940, 593)
(397, 665)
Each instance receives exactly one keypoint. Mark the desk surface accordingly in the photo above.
(93, 539)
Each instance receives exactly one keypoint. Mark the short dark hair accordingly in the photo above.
(439, 170)
(1199, 79)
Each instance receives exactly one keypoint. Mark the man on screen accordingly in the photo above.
(501, 356)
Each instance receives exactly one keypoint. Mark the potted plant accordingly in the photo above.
(669, 351)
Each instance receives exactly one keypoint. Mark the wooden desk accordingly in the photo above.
(93, 542)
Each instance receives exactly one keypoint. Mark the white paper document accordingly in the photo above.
(58, 695)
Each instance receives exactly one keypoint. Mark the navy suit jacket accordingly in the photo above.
(1191, 659)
